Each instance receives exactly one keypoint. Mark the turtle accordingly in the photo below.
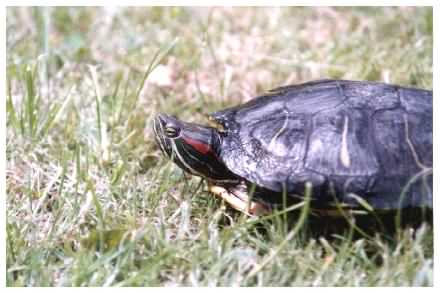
(360, 145)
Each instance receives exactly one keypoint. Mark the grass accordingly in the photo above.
(92, 202)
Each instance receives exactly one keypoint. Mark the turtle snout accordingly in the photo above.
(167, 120)
(159, 128)
(162, 119)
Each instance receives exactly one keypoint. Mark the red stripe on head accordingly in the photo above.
(198, 146)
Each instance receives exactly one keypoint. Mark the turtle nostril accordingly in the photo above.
(162, 119)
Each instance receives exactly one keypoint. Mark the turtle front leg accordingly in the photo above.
(239, 199)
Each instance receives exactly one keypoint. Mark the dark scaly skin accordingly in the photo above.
(195, 149)
(372, 140)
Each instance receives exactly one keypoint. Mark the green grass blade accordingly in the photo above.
(30, 106)
(12, 114)
(160, 54)
(54, 115)
(300, 223)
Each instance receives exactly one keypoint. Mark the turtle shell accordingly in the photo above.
(352, 140)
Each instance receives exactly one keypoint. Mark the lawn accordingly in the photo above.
(92, 202)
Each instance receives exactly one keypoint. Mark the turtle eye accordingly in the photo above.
(172, 132)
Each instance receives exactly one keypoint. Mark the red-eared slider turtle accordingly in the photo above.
(360, 144)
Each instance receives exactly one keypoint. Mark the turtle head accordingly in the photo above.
(194, 148)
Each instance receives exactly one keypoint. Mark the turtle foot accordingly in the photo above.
(240, 200)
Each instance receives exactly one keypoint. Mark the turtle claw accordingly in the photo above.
(239, 200)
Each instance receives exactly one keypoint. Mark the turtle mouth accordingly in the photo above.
(159, 131)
